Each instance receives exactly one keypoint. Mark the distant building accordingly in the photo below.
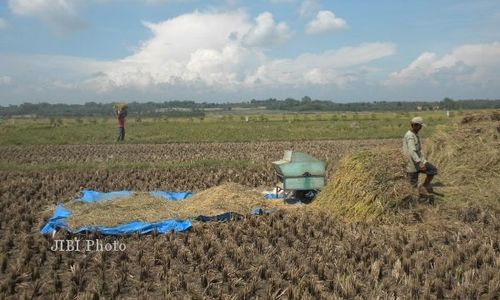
(213, 109)
(26, 116)
(169, 109)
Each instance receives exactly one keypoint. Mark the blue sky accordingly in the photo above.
(75, 51)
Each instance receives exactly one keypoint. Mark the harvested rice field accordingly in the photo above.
(444, 249)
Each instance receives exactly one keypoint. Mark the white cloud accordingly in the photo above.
(211, 49)
(43, 70)
(331, 67)
(474, 63)
(223, 50)
(61, 15)
(266, 32)
(308, 8)
(325, 21)
(5, 80)
(3, 24)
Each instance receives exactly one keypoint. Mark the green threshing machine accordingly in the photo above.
(299, 173)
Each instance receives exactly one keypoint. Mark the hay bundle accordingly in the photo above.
(120, 106)
(367, 185)
(229, 197)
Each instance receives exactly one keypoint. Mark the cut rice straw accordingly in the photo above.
(369, 185)
(468, 155)
(229, 197)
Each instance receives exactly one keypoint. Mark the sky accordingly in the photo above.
(77, 51)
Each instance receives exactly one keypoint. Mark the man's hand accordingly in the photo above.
(421, 166)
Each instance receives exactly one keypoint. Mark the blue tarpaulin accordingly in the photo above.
(93, 196)
(58, 219)
(274, 196)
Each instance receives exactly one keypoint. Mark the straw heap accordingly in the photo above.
(468, 156)
(367, 185)
(372, 185)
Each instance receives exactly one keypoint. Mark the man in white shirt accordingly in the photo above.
(417, 164)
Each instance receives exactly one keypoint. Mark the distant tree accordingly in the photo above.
(448, 103)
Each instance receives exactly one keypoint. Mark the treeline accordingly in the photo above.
(93, 109)
(196, 109)
(307, 104)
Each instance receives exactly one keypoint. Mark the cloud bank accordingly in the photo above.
(227, 51)
(467, 64)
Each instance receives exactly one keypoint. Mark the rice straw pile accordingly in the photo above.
(372, 185)
(368, 185)
(468, 156)
(229, 197)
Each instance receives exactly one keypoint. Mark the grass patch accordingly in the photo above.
(268, 128)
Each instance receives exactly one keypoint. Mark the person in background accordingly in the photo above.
(412, 149)
(121, 113)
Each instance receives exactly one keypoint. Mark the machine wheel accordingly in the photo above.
(305, 196)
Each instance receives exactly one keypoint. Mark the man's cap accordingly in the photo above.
(418, 120)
